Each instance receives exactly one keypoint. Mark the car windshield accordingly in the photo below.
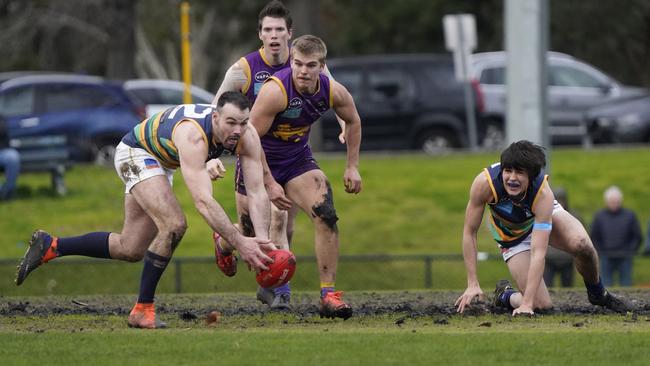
(570, 76)
(68, 97)
(493, 76)
(164, 96)
(17, 101)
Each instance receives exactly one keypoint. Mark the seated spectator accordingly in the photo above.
(10, 163)
(616, 235)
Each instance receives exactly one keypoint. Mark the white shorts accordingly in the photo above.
(524, 246)
(133, 165)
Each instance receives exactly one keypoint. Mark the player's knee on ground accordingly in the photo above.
(543, 303)
(246, 223)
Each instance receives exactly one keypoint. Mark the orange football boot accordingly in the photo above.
(42, 249)
(144, 316)
(332, 306)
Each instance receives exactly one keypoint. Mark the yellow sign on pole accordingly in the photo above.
(185, 51)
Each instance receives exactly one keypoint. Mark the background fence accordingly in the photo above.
(372, 272)
(200, 274)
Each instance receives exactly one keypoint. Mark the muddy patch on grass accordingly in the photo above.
(304, 306)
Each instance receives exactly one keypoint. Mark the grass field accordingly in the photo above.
(411, 204)
(392, 328)
(420, 342)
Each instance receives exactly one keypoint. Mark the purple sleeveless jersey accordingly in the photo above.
(257, 69)
(289, 133)
(285, 144)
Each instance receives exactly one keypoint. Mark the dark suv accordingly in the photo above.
(92, 113)
(409, 101)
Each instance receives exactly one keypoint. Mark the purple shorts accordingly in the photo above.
(283, 170)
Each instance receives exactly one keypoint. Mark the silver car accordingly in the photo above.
(160, 94)
(574, 87)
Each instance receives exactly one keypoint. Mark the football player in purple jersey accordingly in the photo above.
(287, 105)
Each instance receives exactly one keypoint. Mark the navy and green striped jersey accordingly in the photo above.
(511, 220)
(154, 134)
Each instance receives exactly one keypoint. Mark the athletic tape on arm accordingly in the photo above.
(543, 226)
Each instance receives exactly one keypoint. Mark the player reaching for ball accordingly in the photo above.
(279, 272)
(287, 105)
(523, 217)
(248, 74)
(184, 136)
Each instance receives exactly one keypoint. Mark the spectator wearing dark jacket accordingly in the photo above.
(616, 235)
(10, 163)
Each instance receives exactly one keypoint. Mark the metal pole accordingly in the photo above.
(185, 51)
(469, 95)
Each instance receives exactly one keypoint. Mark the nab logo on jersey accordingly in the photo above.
(295, 103)
(262, 76)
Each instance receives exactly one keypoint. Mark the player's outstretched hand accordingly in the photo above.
(215, 169)
(523, 311)
(252, 251)
(467, 297)
(277, 196)
(352, 180)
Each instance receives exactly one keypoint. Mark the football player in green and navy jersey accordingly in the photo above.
(186, 137)
(523, 217)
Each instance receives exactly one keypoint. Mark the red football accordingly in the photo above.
(280, 271)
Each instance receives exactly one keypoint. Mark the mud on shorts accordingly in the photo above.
(524, 246)
(133, 165)
(282, 170)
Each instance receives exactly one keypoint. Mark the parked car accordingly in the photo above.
(92, 113)
(574, 87)
(8, 75)
(409, 101)
(620, 121)
(160, 94)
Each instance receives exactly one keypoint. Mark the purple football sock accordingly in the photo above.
(281, 290)
(325, 290)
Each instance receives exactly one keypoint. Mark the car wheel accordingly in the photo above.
(104, 155)
(494, 136)
(437, 141)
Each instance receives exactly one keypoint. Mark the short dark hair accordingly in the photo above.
(238, 99)
(526, 156)
(274, 9)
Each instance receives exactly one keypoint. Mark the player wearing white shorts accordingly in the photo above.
(185, 136)
(523, 217)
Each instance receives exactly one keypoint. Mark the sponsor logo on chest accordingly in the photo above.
(294, 109)
(261, 76)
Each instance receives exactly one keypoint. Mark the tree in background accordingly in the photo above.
(140, 38)
(91, 36)
(612, 35)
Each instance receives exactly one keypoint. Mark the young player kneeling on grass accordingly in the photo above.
(523, 217)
